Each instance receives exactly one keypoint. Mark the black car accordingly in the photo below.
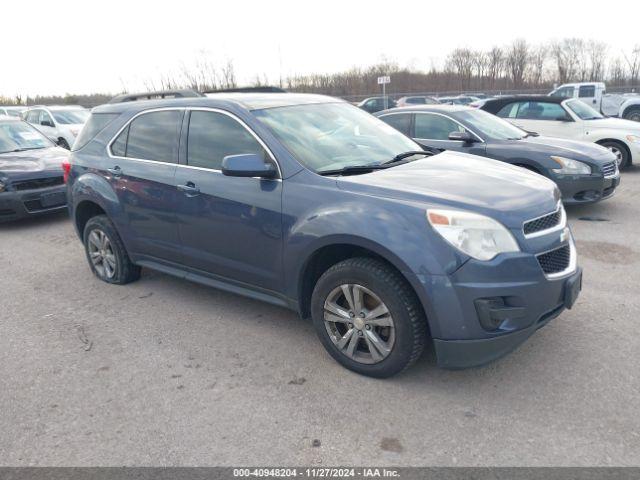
(375, 104)
(585, 172)
(31, 174)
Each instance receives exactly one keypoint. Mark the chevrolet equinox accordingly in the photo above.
(308, 202)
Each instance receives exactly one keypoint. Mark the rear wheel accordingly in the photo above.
(106, 254)
(620, 151)
(368, 318)
(633, 114)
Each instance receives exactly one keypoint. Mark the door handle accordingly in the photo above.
(115, 171)
(189, 189)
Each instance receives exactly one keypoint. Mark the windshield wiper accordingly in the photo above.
(411, 153)
(355, 169)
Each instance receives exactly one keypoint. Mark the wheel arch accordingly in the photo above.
(330, 253)
(619, 142)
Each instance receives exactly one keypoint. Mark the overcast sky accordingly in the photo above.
(86, 46)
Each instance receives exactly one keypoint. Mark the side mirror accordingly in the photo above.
(248, 165)
(464, 137)
(564, 119)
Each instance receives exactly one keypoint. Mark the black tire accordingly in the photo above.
(123, 270)
(615, 146)
(633, 114)
(63, 143)
(410, 327)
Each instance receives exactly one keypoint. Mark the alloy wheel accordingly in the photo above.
(101, 254)
(359, 323)
(617, 152)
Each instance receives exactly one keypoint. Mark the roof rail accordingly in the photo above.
(159, 95)
(265, 89)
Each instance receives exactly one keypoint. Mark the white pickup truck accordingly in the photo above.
(595, 95)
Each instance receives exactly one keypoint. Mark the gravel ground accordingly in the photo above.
(166, 372)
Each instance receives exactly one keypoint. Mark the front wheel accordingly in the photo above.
(620, 151)
(632, 114)
(368, 318)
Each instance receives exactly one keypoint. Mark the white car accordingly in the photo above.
(62, 124)
(12, 111)
(553, 116)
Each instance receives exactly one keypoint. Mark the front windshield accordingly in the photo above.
(582, 110)
(487, 124)
(16, 136)
(70, 117)
(331, 136)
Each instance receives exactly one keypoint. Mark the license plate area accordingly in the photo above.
(55, 199)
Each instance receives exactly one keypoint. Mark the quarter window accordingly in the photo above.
(587, 91)
(435, 127)
(399, 121)
(213, 136)
(151, 136)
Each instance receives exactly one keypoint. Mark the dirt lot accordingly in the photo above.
(165, 372)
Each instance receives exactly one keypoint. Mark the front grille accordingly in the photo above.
(38, 183)
(556, 260)
(542, 223)
(609, 169)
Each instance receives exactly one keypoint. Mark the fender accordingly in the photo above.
(628, 104)
(93, 188)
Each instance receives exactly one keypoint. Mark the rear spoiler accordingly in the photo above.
(159, 95)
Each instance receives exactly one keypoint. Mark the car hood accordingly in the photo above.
(509, 194)
(576, 150)
(628, 126)
(29, 164)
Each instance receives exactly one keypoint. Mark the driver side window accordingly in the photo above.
(435, 127)
(541, 111)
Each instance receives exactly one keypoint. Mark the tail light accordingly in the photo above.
(66, 169)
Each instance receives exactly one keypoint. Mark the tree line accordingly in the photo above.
(517, 66)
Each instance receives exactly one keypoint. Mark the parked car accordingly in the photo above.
(458, 100)
(584, 172)
(12, 111)
(416, 100)
(61, 124)
(595, 95)
(572, 119)
(375, 104)
(31, 176)
(308, 202)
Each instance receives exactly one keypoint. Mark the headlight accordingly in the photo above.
(633, 138)
(476, 235)
(571, 167)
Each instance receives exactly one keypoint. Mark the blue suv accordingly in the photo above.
(310, 203)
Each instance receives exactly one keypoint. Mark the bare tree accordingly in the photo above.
(633, 62)
(538, 60)
(496, 65)
(517, 60)
(462, 62)
(597, 58)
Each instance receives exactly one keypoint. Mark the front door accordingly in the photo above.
(230, 227)
(433, 129)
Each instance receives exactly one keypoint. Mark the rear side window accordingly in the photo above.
(508, 111)
(213, 136)
(399, 121)
(416, 100)
(541, 111)
(587, 91)
(95, 124)
(435, 127)
(151, 136)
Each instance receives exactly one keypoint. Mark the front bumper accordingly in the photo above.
(471, 353)
(577, 189)
(486, 309)
(15, 205)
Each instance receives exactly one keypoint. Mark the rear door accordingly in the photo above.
(141, 169)
(230, 227)
(433, 129)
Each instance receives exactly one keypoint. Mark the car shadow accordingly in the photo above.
(35, 222)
